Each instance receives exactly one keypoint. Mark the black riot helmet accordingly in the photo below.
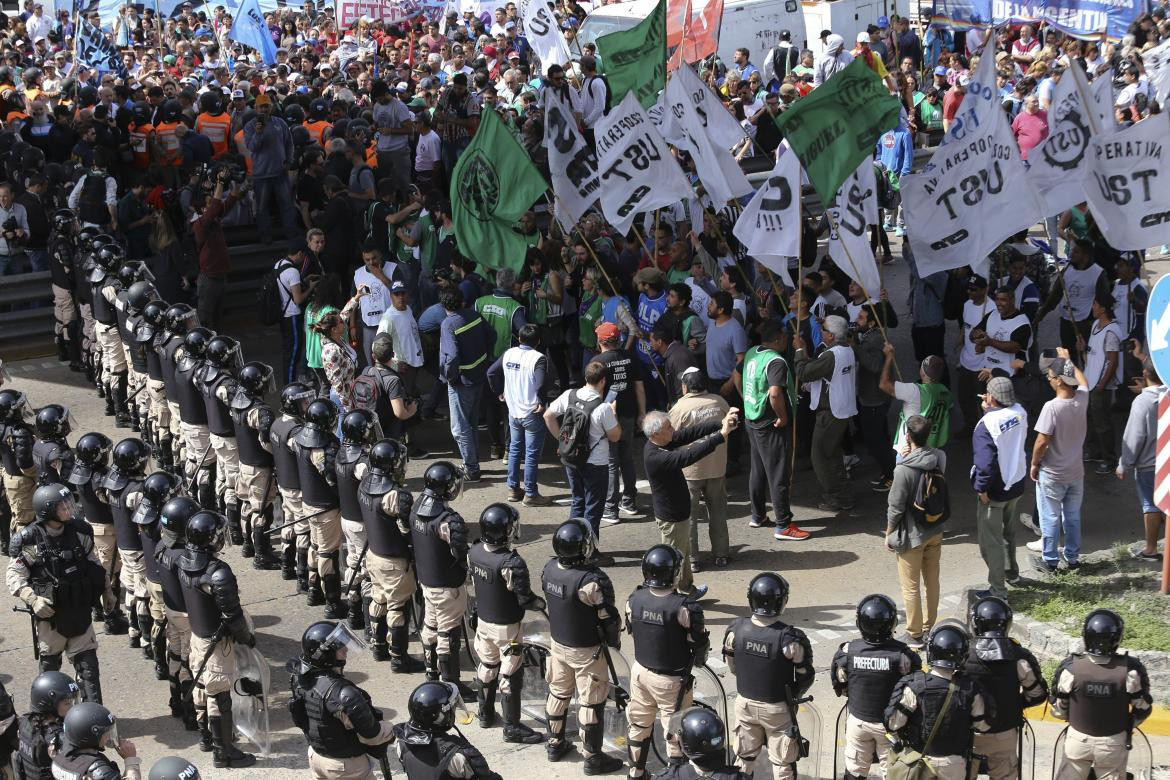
(110, 257)
(389, 457)
(160, 487)
(359, 427)
(432, 706)
(572, 542)
(947, 646)
(321, 414)
(1102, 632)
(63, 220)
(54, 502)
(154, 313)
(205, 531)
(327, 645)
(293, 398)
(767, 594)
(174, 767)
(11, 402)
(444, 479)
(256, 379)
(100, 240)
(53, 421)
(877, 614)
(172, 111)
(85, 236)
(140, 294)
(496, 522)
(93, 449)
(49, 689)
(195, 342)
(661, 565)
(990, 616)
(702, 737)
(224, 352)
(86, 723)
(175, 514)
(130, 456)
(180, 318)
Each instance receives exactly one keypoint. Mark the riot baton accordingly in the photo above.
(282, 526)
(620, 695)
(32, 619)
(185, 486)
(357, 567)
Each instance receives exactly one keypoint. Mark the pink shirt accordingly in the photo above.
(1030, 130)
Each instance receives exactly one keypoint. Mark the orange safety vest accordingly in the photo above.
(317, 130)
(168, 139)
(244, 150)
(218, 129)
(140, 145)
(372, 155)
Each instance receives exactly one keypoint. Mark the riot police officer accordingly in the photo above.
(198, 467)
(426, 748)
(178, 321)
(148, 334)
(316, 451)
(54, 571)
(8, 735)
(50, 699)
(91, 458)
(157, 489)
(294, 561)
(670, 637)
(83, 266)
(581, 616)
(340, 723)
(52, 455)
(172, 542)
(138, 295)
(173, 768)
(702, 737)
(503, 590)
(1104, 695)
(866, 670)
(89, 728)
(122, 490)
(439, 537)
(936, 712)
(386, 505)
(773, 666)
(217, 384)
(105, 295)
(218, 621)
(16, 456)
(1010, 678)
(66, 323)
(359, 430)
(252, 420)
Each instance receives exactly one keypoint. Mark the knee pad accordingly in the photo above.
(488, 673)
(589, 715)
(396, 615)
(555, 707)
(378, 610)
(50, 663)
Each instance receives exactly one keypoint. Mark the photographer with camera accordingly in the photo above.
(210, 243)
(13, 228)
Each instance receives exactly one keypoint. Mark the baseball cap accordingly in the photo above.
(607, 331)
(650, 276)
(863, 37)
(402, 86)
(883, 22)
(383, 347)
(933, 367)
(787, 89)
(975, 280)
(1000, 388)
(1065, 370)
(263, 100)
(940, 71)
(237, 94)
(397, 287)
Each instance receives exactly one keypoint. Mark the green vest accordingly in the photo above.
(428, 244)
(755, 381)
(936, 402)
(586, 322)
(497, 311)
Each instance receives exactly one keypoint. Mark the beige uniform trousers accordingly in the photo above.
(498, 648)
(1106, 756)
(227, 466)
(196, 440)
(948, 767)
(218, 674)
(324, 537)
(138, 399)
(325, 768)
(113, 356)
(178, 644)
(157, 609)
(105, 546)
(655, 695)
(50, 642)
(20, 492)
(176, 426)
(64, 310)
(444, 609)
(160, 410)
(862, 740)
(1000, 751)
(355, 540)
(133, 578)
(758, 724)
(580, 670)
(392, 585)
(250, 484)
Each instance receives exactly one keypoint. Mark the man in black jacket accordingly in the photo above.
(666, 454)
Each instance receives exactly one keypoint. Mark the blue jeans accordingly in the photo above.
(527, 436)
(1059, 505)
(588, 485)
(267, 189)
(464, 403)
(449, 153)
(9, 261)
(38, 259)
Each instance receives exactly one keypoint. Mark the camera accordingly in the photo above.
(9, 228)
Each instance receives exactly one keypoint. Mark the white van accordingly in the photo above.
(751, 24)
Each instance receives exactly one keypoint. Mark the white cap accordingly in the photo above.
(863, 37)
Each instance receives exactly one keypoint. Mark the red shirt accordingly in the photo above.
(951, 102)
(1030, 130)
(214, 259)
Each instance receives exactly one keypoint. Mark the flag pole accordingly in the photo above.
(719, 232)
(588, 244)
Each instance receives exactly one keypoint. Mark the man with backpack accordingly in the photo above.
(997, 475)
(283, 292)
(380, 389)
(916, 542)
(595, 98)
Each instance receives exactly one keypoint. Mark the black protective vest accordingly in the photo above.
(219, 416)
(202, 610)
(326, 734)
(136, 348)
(166, 358)
(386, 541)
(150, 537)
(36, 732)
(153, 360)
(8, 458)
(572, 622)
(168, 577)
(45, 452)
(95, 510)
(347, 484)
(493, 601)
(430, 761)
(315, 489)
(78, 764)
(65, 574)
(61, 261)
(1000, 684)
(873, 671)
(125, 532)
(91, 201)
(248, 439)
(660, 643)
(1099, 704)
(103, 310)
(433, 561)
(762, 671)
(283, 457)
(953, 737)
(122, 313)
(192, 410)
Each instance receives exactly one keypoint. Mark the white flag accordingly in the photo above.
(770, 223)
(686, 109)
(851, 213)
(1058, 167)
(1130, 192)
(544, 34)
(1104, 97)
(1157, 65)
(571, 162)
(638, 172)
(723, 129)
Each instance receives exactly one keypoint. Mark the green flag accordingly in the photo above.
(493, 184)
(836, 125)
(635, 59)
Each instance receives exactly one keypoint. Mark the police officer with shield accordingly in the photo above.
(581, 615)
(16, 456)
(121, 490)
(359, 431)
(427, 748)
(294, 561)
(178, 321)
(218, 621)
(198, 466)
(670, 637)
(252, 420)
(172, 543)
(157, 489)
(386, 507)
(316, 449)
(39, 730)
(52, 455)
(1104, 695)
(89, 728)
(1010, 679)
(936, 712)
(217, 384)
(503, 591)
(439, 537)
(53, 569)
(90, 468)
(339, 721)
(702, 737)
(773, 666)
(866, 670)
(149, 333)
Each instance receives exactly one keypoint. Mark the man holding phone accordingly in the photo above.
(294, 291)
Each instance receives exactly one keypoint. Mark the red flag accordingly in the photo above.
(700, 36)
(410, 50)
(678, 16)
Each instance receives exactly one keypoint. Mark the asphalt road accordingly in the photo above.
(841, 562)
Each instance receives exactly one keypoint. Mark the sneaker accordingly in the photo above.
(628, 506)
(790, 533)
(1072, 565)
(1036, 546)
(602, 764)
(515, 494)
(472, 477)
(536, 499)
(696, 566)
(1103, 469)
(496, 452)
(900, 231)
(1029, 522)
(1043, 566)
(914, 642)
(883, 486)
(610, 518)
(761, 522)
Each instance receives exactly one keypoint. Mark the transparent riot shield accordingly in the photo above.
(250, 697)
(707, 692)
(1140, 765)
(839, 741)
(536, 641)
(617, 726)
(808, 722)
(1026, 750)
(470, 621)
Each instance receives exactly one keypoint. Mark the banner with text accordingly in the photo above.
(1082, 18)
(571, 162)
(544, 34)
(770, 223)
(1130, 192)
(718, 170)
(390, 11)
(852, 212)
(1058, 168)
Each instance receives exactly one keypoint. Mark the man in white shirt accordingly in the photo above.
(294, 291)
(398, 321)
(832, 382)
(427, 153)
(594, 96)
(38, 24)
(517, 377)
(375, 276)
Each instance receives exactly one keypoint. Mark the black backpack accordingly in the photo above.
(269, 306)
(573, 441)
(931, 504)
(608, 91)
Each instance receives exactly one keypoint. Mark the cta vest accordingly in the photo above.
(315, 490)
(1081, 286)
(660, 643)
(1099, 704)
(386, 541)
(326, 734)
(755, 381)
(436, 566)
(192, 410)
(953, 737)
(873, 672)
(288, 474)
(494, 602)
(219, 416)
(761, 669)
(572, 622)
(248, 439)
(347, 485)
(498, 310)
(842, 385)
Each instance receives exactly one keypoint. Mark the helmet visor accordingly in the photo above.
(349, 645)
(456, 489)
(301, 401)
(66, 510)
(456, 705)
(24, 411)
